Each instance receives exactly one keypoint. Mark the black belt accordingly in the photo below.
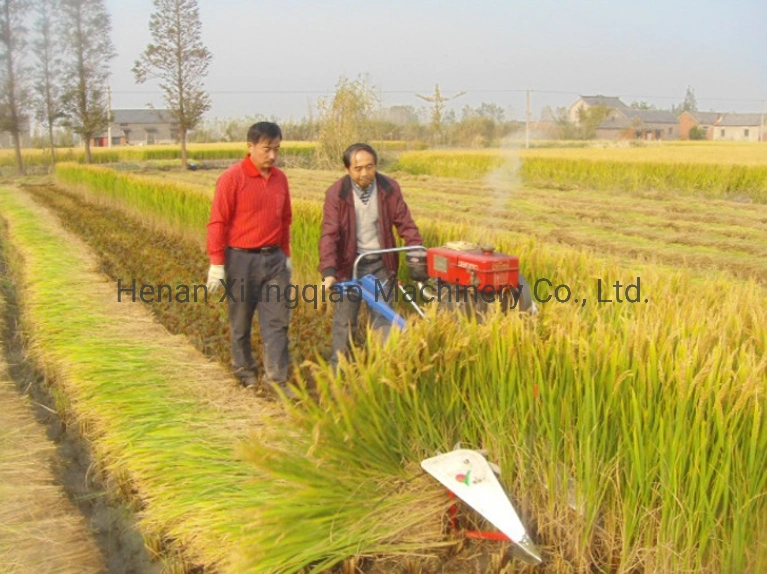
(370, 259)
(265, 249)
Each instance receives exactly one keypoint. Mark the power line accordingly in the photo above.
(467, 90)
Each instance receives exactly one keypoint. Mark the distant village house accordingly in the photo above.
(138, 127)
(625, 122)
(702, 122)
(585, 103)
(628, 123)
(740, 127)
(723, 127)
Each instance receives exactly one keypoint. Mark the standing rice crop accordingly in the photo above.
(600, 169)
(632, 436)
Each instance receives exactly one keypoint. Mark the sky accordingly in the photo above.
(276, 58)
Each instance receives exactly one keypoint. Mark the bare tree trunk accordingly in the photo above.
(184, 161)
(19, 158)
(10, 39)
(53, 145)
(88, 157)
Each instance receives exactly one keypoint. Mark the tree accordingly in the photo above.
(46, 75)
(89, 48)
(566, 129)
(642, 106)
(438, 103)
(690, 104)
(474, 130)
(14, 95)
(177, 57)
(589, 120)
(698, 133)
(344, 119)
(547, 114)
(491, 111)
(400, 115)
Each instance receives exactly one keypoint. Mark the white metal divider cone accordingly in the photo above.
(468, 475)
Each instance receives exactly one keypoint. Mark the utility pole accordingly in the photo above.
(109, 116)
(380, 111)
(527, 122)
(761, 124)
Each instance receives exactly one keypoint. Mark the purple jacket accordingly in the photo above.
(338, 242)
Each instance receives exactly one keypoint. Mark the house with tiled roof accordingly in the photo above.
(586, 102)
(704, 122)
(629, 123)
(139, 127)
(741, 127)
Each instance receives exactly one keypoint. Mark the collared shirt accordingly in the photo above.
(250, 210)
(364, 194)
(366, 212)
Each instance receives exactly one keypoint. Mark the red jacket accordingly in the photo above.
(338, 242)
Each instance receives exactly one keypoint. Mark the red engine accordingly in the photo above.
(466, 264)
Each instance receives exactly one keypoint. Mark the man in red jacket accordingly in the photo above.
(249, 249)
(359, 213)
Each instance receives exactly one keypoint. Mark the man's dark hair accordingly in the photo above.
(354, 148)
(264, 131)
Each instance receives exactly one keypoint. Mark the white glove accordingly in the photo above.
(327, 282)
(215, 274)
(289, 265)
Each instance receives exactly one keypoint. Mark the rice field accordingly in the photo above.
(651, 227)
(710, 169)
(291, 151)
(631, 437)
(102, 155)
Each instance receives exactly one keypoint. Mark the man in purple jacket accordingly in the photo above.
(359, 213)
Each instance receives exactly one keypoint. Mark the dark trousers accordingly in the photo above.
(346, 312)
(258, 283)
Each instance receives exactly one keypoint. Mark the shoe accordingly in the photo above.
(277, 390)
(248, 379)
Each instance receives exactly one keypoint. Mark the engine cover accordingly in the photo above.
(461, 263)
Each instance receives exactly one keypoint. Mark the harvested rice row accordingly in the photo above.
(41, 532)
(163, 421)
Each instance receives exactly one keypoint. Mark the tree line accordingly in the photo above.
(354, 113)
(54, 67)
